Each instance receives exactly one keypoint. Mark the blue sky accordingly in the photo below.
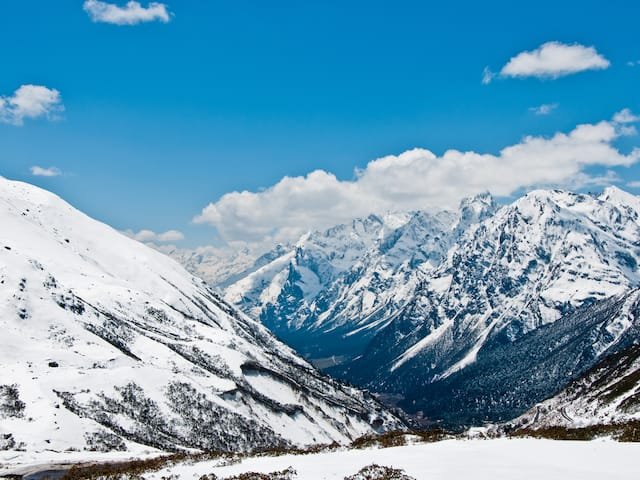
(162, 118)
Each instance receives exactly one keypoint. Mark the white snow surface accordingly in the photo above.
(500, 459)
(86, 311)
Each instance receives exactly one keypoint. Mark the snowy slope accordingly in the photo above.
(109, 344)
(508, 378)
(608, 393)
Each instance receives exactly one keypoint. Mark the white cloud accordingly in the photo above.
(142, 235)
(634, 184)
(131, 14)
(414, 179)
(624, 120)
(583, 180)
(30, 101)
(553, 60)
(170, 236)
(487, 76)
(633, 63)
(45, 172)
(151, 236)
(544, 109)
(625, 116)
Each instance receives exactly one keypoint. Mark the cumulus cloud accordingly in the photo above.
(544, 109)
(45, 172)
(624, 120)
(584, 180)
(131, 14)
(553, 60)
(28, 102)
(415, 179)
(171, 236)
(151, 236)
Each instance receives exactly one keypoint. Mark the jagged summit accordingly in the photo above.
(474, 209)
(482, 202)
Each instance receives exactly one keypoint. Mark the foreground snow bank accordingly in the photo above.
(523, 459)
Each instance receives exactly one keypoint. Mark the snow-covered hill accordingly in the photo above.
(107, 344)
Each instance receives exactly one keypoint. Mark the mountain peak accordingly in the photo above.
(482, 198)
(619, 197)
(476, 208)
(537, 201)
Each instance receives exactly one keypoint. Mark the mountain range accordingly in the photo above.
(426, 307)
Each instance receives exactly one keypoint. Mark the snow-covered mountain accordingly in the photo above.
(213, 265)
(220, 266)
(528, 265)
(335, 289)
(430, 296)
(108, 344)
